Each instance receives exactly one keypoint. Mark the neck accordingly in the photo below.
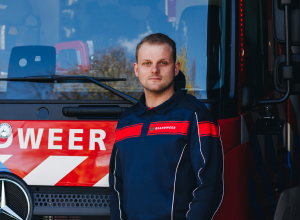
(154, 99)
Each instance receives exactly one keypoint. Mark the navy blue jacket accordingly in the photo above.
(167, 162)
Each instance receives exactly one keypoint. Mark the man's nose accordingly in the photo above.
(155, 68)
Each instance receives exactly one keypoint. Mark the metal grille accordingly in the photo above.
(15, 199)
(71, 200)
(5, 217)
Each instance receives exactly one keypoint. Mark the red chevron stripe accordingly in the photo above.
(207, 128)
(128, 132)
(89, 172)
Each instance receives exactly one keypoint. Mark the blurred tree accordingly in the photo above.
(188, 69)
(109, 62)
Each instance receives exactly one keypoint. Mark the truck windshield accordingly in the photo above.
(97, 38)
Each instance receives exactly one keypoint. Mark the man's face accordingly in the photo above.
(156, 68)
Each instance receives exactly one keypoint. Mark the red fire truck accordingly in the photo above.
(66, 76)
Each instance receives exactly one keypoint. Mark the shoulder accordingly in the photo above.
(197, 104)
(198, 108)
(131, 110)
(126, 116)
(191, 103)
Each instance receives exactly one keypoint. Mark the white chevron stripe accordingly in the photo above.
(52, 170)
(103, 182)
(4, 157)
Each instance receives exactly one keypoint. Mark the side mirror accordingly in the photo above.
(286, 30)
(286, 20)
(279, 21)
(279, 79)
(248, 97)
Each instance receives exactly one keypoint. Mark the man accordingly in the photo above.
(167, 161)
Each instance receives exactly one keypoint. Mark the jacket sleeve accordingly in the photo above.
(116, 186)
(207, 160)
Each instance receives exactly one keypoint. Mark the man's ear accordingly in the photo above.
(135, 66)
(177, 68)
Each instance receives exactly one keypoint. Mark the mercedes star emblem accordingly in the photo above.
(4, 208)
(5, 130)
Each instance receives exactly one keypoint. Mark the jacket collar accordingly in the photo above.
(162, 108)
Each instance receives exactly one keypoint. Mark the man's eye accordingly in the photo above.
(163, 63)
(147, 63)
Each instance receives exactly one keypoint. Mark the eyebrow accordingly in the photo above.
(163, 59)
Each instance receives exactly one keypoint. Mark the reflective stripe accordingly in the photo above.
(199, 140)
(203, 160)
(222, 175)
(175, 182)
(115, 185)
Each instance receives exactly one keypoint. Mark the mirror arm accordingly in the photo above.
(287, 69)
(276, 101)
(287, 34)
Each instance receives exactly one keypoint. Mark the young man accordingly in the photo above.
(167, 161)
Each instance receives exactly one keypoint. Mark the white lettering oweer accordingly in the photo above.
(35, 143)
(72, 139)
(52, 138)
(7, 143)
(99, 140)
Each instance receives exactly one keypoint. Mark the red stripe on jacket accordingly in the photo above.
(207, 128)
(128, 132)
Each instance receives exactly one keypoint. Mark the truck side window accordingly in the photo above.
(259, 45)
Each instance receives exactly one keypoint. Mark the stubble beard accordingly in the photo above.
(159, 91)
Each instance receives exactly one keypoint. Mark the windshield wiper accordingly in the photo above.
(75, 79)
